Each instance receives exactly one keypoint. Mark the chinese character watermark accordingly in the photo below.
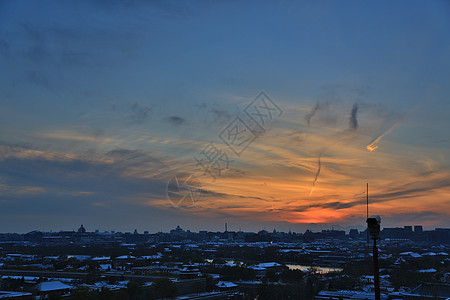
(183, 189)
(213, 160)
(262, 109)
(237, 136)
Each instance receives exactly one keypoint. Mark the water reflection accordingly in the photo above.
(322, 270)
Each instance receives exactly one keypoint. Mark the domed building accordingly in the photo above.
(82, 229)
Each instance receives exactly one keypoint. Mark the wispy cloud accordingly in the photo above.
(319, 165)
(353, 116)
(425, 187)
(139, 113)
(313, 111)
(75, 136)
(176, 120)
(7, 191)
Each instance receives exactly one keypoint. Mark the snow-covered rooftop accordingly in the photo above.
(101, 258)
(226, 284)
(49, 286)
(427, 271)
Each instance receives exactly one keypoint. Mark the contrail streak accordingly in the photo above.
(315, 178)
(373, 145)
(312, 113)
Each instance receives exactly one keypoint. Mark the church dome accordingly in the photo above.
(81, 229)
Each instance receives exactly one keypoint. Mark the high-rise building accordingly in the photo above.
(353, 232)
(418, 228)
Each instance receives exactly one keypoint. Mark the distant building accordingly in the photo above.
(15, 295)
(344, 295)
(333, 234)
(418, 228)
(353, 233)
(189, 272)
(441, 235)
(81, 229)
(48, 287)
(226, 286)
(408, 228)
(432, 291)
(178, 233)
(394, 233)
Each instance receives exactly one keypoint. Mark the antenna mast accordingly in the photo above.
(367, 200)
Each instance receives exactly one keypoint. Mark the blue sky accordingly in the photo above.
(103, 102)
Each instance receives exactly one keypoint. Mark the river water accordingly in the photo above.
(321, 270)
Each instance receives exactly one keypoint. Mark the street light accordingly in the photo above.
(373, 225)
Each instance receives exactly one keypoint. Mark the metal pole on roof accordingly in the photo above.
(373, 226)
(367, 200)
(367, 216)
(376, 274)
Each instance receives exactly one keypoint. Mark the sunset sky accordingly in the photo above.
(104, 103)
